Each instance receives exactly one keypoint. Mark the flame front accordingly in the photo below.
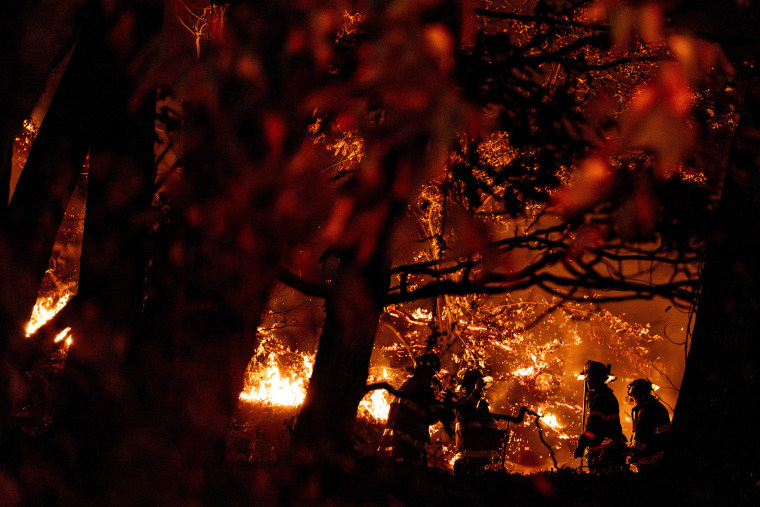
(270, 382)
(376, 405)
(270, 386)
(551, 421)
(64, 335)
(44, 310)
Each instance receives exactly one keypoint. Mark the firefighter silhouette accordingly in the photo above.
(407, 432)
(602, 434)
(477, 436)
(651, 426)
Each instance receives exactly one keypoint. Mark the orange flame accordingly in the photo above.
(525, 372)
(64, 335)
(551, 421)
(270, 386)
(376, 404)
(44, 310)
(269, 383)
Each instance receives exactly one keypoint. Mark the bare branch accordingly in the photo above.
(291, 279)
(507, 16)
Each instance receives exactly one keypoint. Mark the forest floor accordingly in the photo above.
(370, 483)
(302, 479)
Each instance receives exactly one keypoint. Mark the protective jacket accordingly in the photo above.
(406, 433)
(651, 426)
(603, 434)
(477, 436)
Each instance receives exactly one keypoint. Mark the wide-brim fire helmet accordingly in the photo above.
(639, 388)
(428, 362)
(470, 378)
(595, 368)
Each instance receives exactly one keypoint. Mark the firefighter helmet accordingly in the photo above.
(639, 387)
(428, 361)
(595, 368)
(469, 379)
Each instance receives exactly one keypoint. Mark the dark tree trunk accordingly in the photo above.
(29, 225)
(34, 36)
(193, 365)
(352, 311)
(103, 374)
(99, 413)
(31, 221)
(715, 423)
(6, 156)
(353, 307)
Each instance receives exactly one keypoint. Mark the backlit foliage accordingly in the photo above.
(532, 365)
(346, 147)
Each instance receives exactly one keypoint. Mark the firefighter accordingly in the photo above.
(406, 433)
(602, 435)
(651, 424)
(477, 436)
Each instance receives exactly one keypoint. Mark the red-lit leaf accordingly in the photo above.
(698, 57)
(592, 184)
(638, 214)
(440, 46)
(336, 224)
(588, 237)
(658, 119)
(651, 22)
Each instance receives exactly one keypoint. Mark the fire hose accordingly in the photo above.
(452, 404)
(541, 436)
(525, 410)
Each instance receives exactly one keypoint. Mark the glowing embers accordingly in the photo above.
(44, 310)
(277, 376)
(525, 372)
(422, 315)
(64, 335)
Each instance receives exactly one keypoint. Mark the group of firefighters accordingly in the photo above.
(466, 415)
